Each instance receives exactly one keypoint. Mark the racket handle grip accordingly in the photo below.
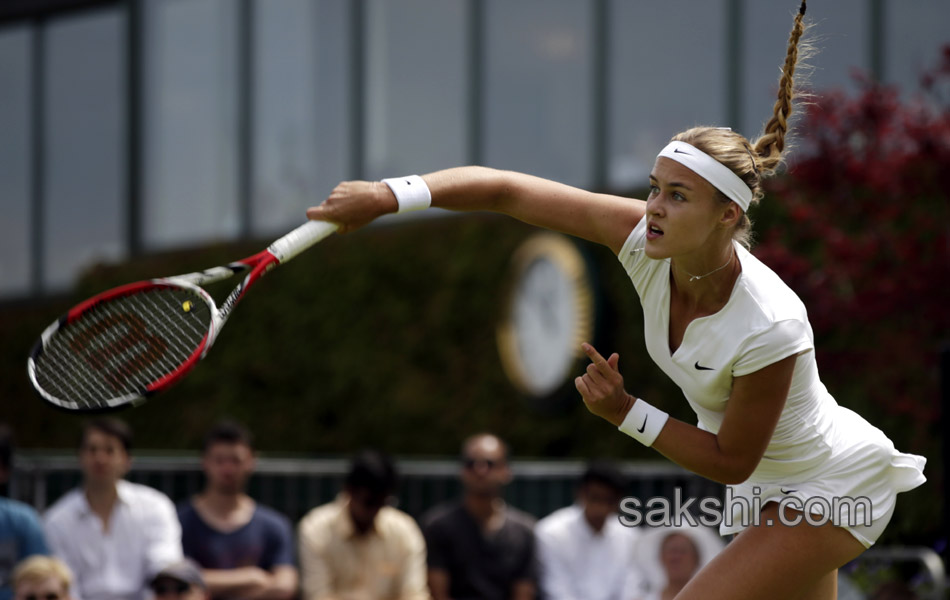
(300, 239)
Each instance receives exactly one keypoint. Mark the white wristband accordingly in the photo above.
(644, 422)
(411, 192)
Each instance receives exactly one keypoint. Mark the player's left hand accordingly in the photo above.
(601, 387)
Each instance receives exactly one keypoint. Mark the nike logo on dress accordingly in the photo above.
(699, 367)
(784, 491)
(644, 426)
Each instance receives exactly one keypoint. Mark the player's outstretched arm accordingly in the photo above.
(602, 218)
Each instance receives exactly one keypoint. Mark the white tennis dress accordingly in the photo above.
(820, 453)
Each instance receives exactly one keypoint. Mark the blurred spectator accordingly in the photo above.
(672, 555)
(180, 579)
(42, 578)
(583, 550)
(356, 547)
(479, 547)
(245, 550)
(21, 533)
(113, 534)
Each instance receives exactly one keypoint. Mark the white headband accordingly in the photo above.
(710, 169)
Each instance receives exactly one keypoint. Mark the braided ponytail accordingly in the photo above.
(753, 162)
(771, 143)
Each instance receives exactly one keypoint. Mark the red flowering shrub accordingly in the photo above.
(858, 227)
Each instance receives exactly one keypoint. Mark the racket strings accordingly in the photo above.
(121, 346)
(77, 352)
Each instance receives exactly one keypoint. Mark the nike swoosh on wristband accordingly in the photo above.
(644, 426)
(699, 367)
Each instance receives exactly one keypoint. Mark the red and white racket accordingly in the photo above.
(131, 342)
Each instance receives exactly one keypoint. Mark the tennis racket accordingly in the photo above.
(129, 343)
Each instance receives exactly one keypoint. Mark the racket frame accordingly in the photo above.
(256, 265)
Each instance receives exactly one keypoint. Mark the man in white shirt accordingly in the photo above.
(114, 535)
(583, 550)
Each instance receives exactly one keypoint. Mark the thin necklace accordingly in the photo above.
(691, 276)
(698, 277)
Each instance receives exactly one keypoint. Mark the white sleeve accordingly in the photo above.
(555, 569)
(763, 348)
(313, 539)
(58, 541)
(163, 531)
(414, 586)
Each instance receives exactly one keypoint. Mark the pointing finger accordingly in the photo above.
(595, 357)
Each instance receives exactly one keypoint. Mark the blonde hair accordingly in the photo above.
(39, 568)
(754, 162)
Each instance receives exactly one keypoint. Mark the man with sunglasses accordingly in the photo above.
(180, 580)
(359, 547)
(479, 547)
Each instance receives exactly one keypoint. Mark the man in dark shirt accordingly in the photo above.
(479, 547)
(245, 550)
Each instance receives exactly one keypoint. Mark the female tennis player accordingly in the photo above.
(728, 331)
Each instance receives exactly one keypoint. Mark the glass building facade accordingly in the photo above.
(134, 126)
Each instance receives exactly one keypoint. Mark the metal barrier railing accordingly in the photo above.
(294, 485)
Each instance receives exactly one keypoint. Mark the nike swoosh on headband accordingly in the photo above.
(719, 175)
